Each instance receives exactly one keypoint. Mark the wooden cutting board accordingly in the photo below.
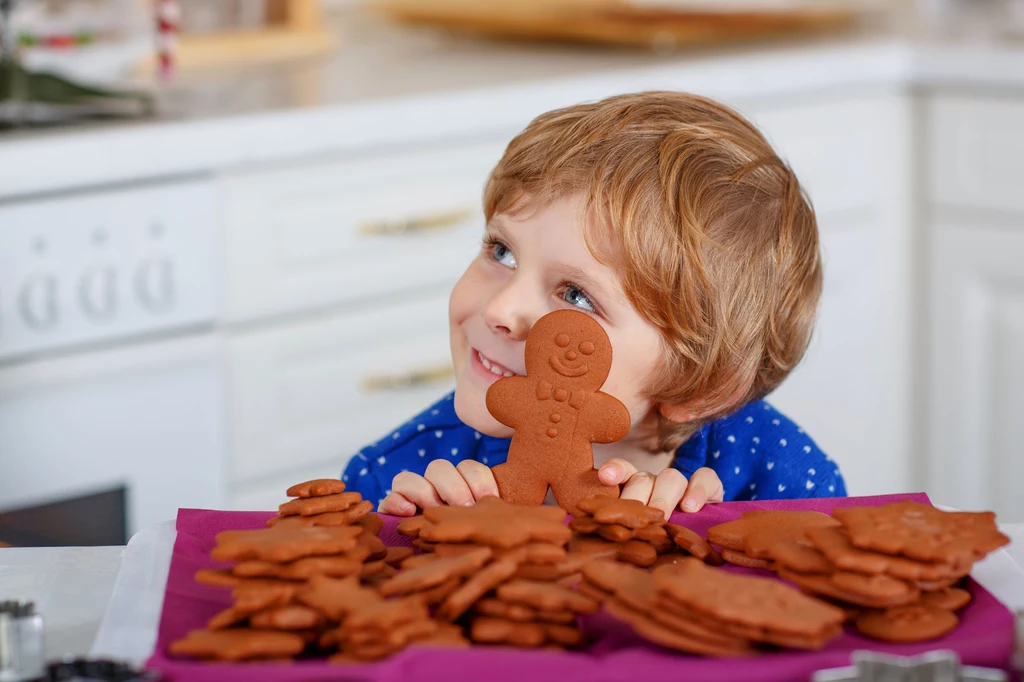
(613, 22)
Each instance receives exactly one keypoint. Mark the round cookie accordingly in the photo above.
(914, 623)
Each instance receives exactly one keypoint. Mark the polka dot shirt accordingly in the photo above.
(758, 452)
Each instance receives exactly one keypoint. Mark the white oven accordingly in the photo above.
(111, 378)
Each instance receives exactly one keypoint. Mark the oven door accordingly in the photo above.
(136, 431)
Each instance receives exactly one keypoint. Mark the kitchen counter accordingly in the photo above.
(389, 85)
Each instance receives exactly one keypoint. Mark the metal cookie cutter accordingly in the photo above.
(934, 666)
(21, 642)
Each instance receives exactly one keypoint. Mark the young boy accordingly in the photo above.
(670, 220)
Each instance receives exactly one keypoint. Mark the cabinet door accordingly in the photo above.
(976, 442)
(851, 392)
(307, 396)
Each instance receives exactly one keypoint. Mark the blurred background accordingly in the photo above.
(228, 228)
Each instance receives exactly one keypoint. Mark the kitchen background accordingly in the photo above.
(228, 229)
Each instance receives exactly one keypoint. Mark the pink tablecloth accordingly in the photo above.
(985, 635)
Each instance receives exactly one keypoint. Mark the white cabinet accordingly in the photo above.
(305, 396)
(977, 359)
(318, 234)
(852, 390)
(975, 152)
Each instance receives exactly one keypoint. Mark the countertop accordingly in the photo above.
(391, 85)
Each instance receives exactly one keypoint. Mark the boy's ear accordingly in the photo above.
(679, 414)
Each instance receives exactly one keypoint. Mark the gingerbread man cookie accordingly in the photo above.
(557, 411)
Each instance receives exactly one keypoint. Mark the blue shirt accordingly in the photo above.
(757, 451)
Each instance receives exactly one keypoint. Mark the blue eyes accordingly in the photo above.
(503, 255)
(573, 294)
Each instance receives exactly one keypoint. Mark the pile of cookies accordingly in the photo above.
(893, 569)
(278, 574)
(500, 569)
(697, 609)
(630, 531)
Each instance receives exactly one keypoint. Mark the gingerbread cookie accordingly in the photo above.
(948, 599)
(922, 532)
(692, 543)
(434, 573)
(336, 598)
(318, 487)
(557, 411)
(238, 644)
(495, 523)
(284, 544)
(914, 623)
(755, 531)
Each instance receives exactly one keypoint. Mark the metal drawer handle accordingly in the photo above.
(413, 379)
(416, 224)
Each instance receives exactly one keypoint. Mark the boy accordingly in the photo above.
(670, 220)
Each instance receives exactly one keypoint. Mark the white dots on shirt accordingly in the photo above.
(753, 497)
(799, 430)
(753, 450)
(753, 486)
(750, 420)
(781, 487)
(756, 440)
(476, 434)
(782, 442)
(361, 456)
(345, 478)
(807, 448)
(381, 460)
(420, 427)
(776, 422)
(455, 451)
(394, 436)
(810, 484)
(731, 439)
(421, 452)
(483, 459)
(811, 472)
(387, 492)
(736, 470)
(716, 453)
(362, 472)
(771, 465)
(438, 433)
(434, 412)
(831, 488)
(449, 396)
(767, 406)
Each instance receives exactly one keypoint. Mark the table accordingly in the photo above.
(106, 601)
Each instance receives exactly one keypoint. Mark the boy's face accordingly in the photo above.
(528, 267)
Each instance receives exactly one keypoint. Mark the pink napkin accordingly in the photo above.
(984, 638)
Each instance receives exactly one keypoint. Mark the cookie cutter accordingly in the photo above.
(934, 666)
(21, 642)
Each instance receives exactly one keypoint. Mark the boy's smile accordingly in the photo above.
(530, 265)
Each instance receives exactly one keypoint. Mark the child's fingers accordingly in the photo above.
(638, 487)
(616, 472)
(669, 487)
(396, 504)
(449, 483)
(415, 489)
(705, 486)
(478, 477)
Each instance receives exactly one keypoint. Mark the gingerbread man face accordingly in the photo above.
(573, 346)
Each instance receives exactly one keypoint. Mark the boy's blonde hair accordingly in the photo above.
(715, 242)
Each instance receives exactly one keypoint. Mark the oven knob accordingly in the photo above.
(97, 292)
(37, 301)
(154, 284)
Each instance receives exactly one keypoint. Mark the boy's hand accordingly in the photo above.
(666, 490)
(442, 483)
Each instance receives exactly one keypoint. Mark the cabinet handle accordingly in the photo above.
(416, 224)
(413, 379)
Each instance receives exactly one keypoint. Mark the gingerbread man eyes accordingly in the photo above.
(587, 347)
(562, 340)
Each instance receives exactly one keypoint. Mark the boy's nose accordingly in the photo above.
(507, 314)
